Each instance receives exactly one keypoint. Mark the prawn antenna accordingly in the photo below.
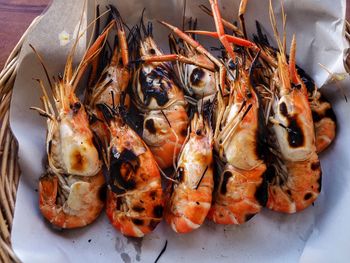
(42, 64)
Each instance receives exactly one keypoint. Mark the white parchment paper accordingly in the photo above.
(318, 234)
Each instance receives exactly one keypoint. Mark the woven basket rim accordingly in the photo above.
(10, 171)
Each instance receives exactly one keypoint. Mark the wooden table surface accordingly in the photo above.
(15, 17)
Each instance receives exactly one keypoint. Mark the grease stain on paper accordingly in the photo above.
(124, 246)
(137, 243)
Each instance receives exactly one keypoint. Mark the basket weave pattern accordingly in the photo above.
(9, 167)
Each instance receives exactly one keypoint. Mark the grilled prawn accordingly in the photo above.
(134, 196)
(158, 96)
(295, 174)
(240, 189)
(191, 196)
(69, 193)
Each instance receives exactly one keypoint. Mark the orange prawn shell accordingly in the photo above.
(161, 100)
(237, 197)
(236, 200)
(300, 187)
(56, 215)
(190, 200)
(165, 141)
(137, 211)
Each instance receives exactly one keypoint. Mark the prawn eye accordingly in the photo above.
(152, 51)
(197, 76)
(232, 65)
(75, 107)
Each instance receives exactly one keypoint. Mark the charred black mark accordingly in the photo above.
(102, 193)
(183, 132)
(75, 107)
(316, 117)
(319, 181)
(158, 211)
(226, 177)
(155, 85)
(283, 109)
(315, 166)
(180, 174)
(270, 174)
(120, 183)
(50, 146)
(261, 190)
(307, 196)
(138, 222)
(119, 202)
(307, 80)
(330, 114)
(196, 76)
(149, 125)
(138, 209)
(261, 133)
(295, 133)
(248, 217)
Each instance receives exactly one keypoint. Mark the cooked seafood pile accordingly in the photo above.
(184, 136)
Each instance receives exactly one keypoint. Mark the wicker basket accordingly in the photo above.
(9, 167)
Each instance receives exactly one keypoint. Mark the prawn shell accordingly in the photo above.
(190, 200)
(239, 195)
(301, 189)
(78, 211)
(135, 198)
(297, 141)
(165, 141)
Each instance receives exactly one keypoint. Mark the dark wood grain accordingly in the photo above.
(16, 15)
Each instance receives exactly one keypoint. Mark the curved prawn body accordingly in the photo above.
(70, 191)
(295, 179)
(71, 201)
(190, 199)
(161, 100)
(240, 188)
(134, 196)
